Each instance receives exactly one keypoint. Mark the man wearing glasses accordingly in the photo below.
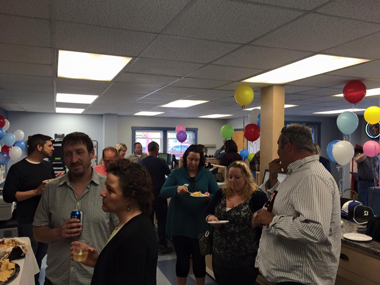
(301, 237)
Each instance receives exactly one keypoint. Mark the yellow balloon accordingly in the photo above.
(244, 95)
(372, 115)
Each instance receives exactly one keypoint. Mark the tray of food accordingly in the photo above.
(8, 271)
(13, 248)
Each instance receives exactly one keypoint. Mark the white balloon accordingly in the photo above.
(19, 134)
(253, 116)
(343, 152)
(6, 126)
(15, 153)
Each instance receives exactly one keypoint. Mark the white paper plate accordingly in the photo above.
(198, 196)
(357, 237)
(219, 222)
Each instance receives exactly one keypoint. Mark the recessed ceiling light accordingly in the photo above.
(183, 103)
(339, 111)
(370, 92)
(145, 113)
(69, 110)
(258, 108)
(75, 98)
(304, 68)
(90, 66)
(213, 116)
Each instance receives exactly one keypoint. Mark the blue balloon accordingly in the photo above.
(330, 148)
(20, 144)
(9, 139)
(244, 153)
(347, 122)
(258, 120)
(2, 133)
(4, 158)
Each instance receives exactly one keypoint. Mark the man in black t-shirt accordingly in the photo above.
(158, 168)
(25, 183)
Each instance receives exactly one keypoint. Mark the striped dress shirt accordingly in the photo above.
(302, 243)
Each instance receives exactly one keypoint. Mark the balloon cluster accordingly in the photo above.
(11, 145)
(181, 133)
(340, 152)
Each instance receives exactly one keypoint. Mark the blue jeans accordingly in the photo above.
(363, 189)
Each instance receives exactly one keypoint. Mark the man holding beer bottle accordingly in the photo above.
(301, 237)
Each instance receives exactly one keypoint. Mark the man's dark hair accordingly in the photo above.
(298, 135)
(35, 140)
(78, 137)
(153, 146)
(135, 182)
(231, 146)
(194, 148)
(136, 144)
(110, 148)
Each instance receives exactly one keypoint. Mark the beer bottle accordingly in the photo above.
(268, 206)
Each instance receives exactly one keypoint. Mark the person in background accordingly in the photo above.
(130, 255)
(186, 213)
(220, 151)
(158, 168)
(323, 160)
(368, 170)
(109, 155)
(79, 190)
(203, 149)
(233, 259)
(25, 183)
(121, 150)
(254, 165)
(301, 240)
(138, 154)
(231, 154)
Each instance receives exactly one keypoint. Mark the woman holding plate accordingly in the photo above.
(186, 212)
(235, 242)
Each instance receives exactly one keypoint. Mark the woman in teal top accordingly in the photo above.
(186, 213)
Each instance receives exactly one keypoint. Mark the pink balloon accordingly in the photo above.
(371, 148)
(180, 128)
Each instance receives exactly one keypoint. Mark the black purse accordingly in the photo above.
(205, 243)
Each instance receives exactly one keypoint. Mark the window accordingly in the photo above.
(166, 139)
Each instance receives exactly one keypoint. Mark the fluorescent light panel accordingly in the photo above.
(75, 98)
(146, 113)
(214, 116)
(69, 110)
(183, 103)
(304, 68)
(339, 111)
(370, 92)
(90, 66)
(259, 108)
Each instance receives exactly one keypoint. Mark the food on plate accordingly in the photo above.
(198, 193)
(7, 244)
(6, 269)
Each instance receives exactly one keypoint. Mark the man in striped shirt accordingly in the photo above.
(301, 238)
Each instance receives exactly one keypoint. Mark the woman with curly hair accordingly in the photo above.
(235, 243)
(130, 255)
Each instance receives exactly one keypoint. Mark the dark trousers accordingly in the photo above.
(185, 248)
(289, 283)
(363, 189)
(39, 248)
(230, 276)
(160, 207)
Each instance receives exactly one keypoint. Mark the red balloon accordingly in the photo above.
(2, 121)
(5, 148)
(354, 91)
(251, 132)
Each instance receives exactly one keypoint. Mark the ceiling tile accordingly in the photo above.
(84, 84)
(233, 86)
(98, 40)
(218, 72)
(145, 79)
(26, 31)
(199, 83)
(230, 21)
(298, 4)
(30, 8)
(126, 87)
(365, 70)
(289, 89)
(24, 79)
(193, 91)
(47, 87)
(322, 81)
(190, 50)
(25, 68)
(317, 32)
(321, 92)
(162, 67)
(261, 57)
(27, 54)
(367, 10)
(140, 15)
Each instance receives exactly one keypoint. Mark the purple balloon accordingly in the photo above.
(181, 136)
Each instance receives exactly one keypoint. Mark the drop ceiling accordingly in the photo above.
(184, 49)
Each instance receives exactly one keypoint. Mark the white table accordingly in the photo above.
(28, 268)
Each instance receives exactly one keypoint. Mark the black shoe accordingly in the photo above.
(164, 249)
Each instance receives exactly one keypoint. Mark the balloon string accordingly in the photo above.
(242, 107)
(339, 168)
